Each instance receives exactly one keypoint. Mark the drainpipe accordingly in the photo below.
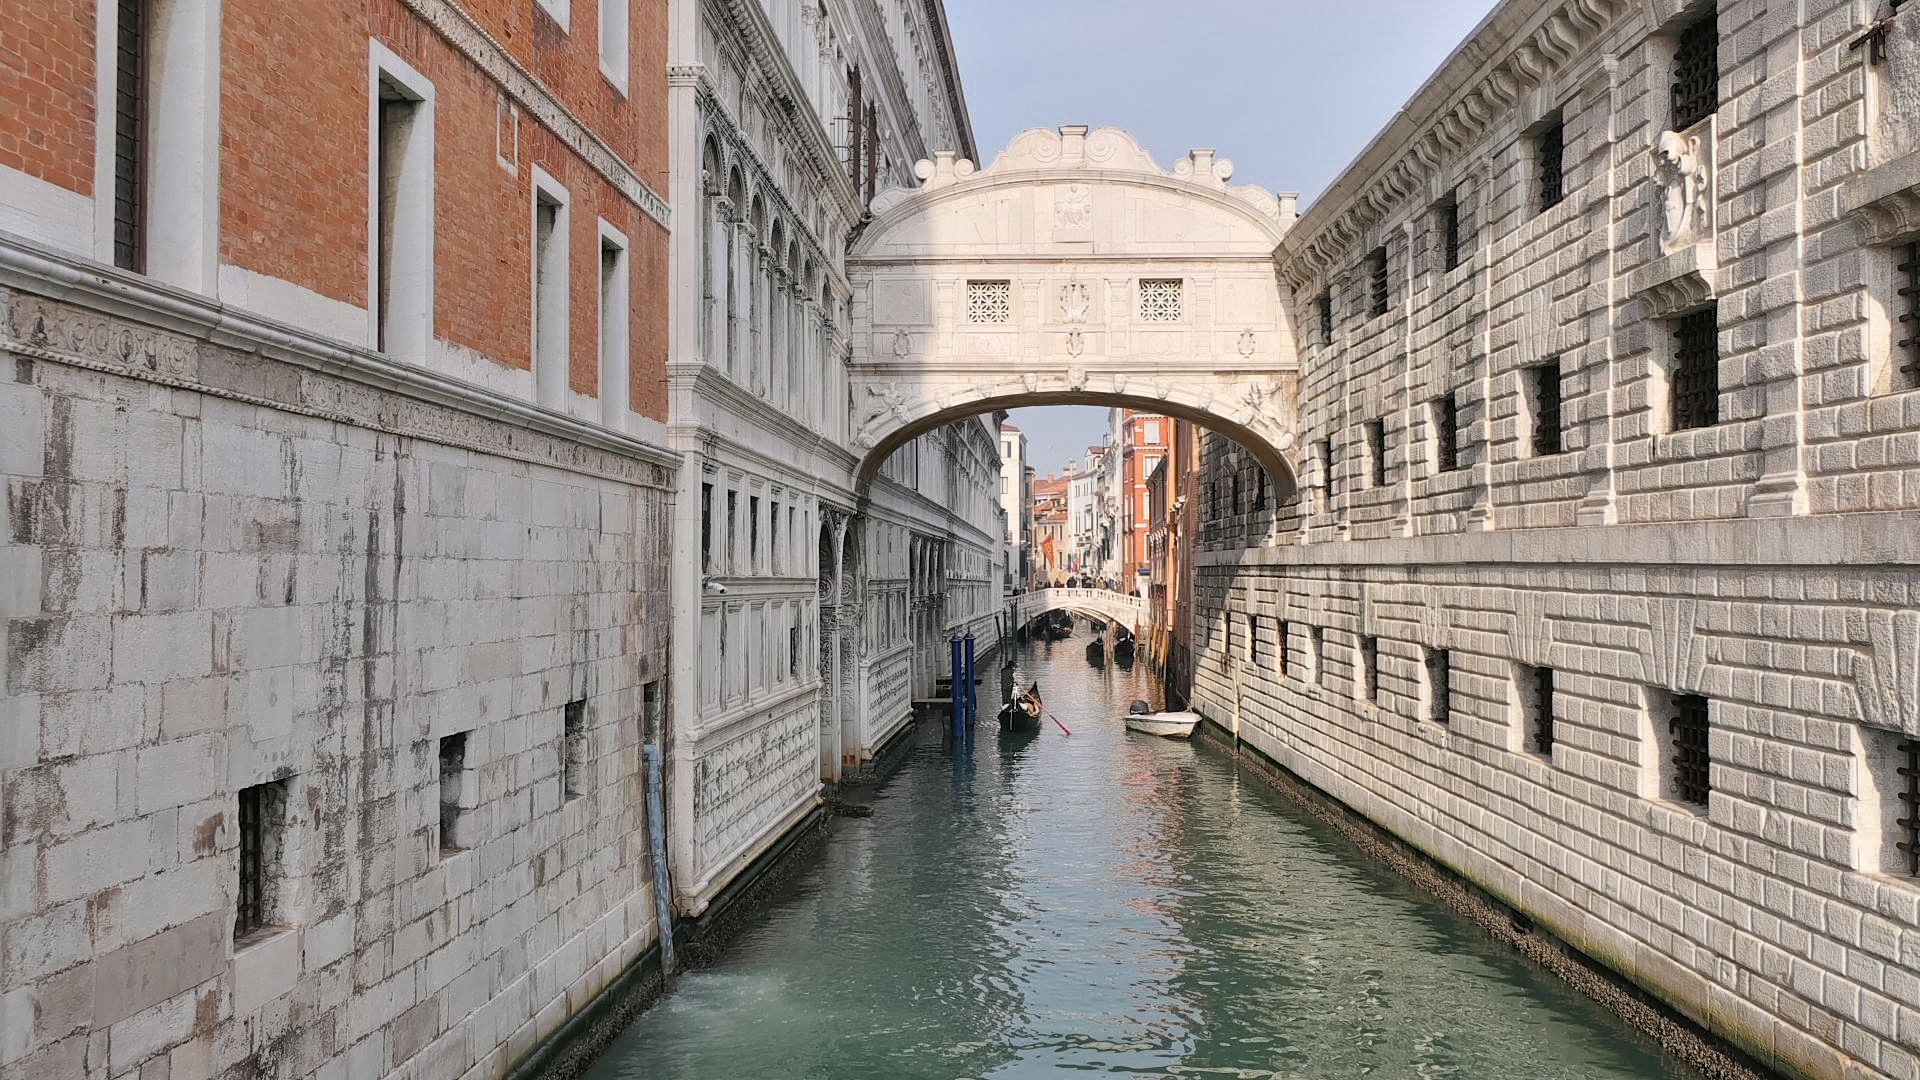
(657, 847)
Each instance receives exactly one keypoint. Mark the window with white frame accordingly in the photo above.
(549, 291)
(613, 327)
(400, 169)
(1160, 299)
(989, 301)
(613, 41)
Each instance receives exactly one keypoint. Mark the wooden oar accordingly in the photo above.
(1054, 718)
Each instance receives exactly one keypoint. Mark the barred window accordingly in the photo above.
(1376, 436)
(1550, 150)
(453, 770)
(989, 301)
(1446, 432)
(1543, 386)
(130, 136)
(1282, 636)
(1687, 749)
(1439, 686)
(1323, 457)
(1907, 341)
(262, 821)
(1326, 316)
(1694, 395)
(573, 734)
(1370, 667)
(1377, 281)
(1906, 805)
(1535, 685)
(1696, 72)
(1448, 212)
(1160, 299)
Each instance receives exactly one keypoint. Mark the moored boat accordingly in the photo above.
(1169, 725)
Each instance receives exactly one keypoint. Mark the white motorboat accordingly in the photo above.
(1171, 725)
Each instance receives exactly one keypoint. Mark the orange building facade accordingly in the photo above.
(1143, 443)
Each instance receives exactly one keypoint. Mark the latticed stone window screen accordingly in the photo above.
(1160, 299)
(1696, 72)
(989, 301)
(1694, 401)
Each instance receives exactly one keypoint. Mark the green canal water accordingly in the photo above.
(1110, 904)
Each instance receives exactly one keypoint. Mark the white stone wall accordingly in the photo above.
(214, 578)
(1734, 562)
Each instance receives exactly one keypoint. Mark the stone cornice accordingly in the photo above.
(950, 77)
(130, 326)
(1884, 202)
(798, 118)
(1521, 46)
(472, 41)
(1853, 542)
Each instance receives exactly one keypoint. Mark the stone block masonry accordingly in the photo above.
(1602, 587)
(212, 595)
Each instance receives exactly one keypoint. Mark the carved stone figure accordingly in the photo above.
(1073, 207)
(1684, 174)
(1074, 302)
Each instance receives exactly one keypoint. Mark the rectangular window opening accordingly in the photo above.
(613, 331)
(614, 42)
(1317, 654)
(753, 533)
(453, 771)
(262, 820)
(1446, 432)
(733, 531)
(1693, 398)
(1449, 214)
(1907, 289)
(549, 298)
(1439, 686)
(1376, 439)
(1686, 773)
(130, 136)
(397, 256)
(776, 558)
(1550, 151)
(1535, 687)
(1543, 396)
(1696, 71)
(573, 731)
(1370, 668)
(793, 651)
(1282, 638)
(1326, 316)
(1889, 819)
(1377, 281)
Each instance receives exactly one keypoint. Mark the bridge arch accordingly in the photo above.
(1073, 270)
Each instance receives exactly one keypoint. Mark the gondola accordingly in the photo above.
(1097, 652)
(1021, 716)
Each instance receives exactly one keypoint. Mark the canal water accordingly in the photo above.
(1112, 904)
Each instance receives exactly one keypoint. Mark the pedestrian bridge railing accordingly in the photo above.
(1105, 603)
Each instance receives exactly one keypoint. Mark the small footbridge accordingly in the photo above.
(1106, 604)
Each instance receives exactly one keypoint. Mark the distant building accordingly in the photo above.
(1143, 445)
(1016, 494)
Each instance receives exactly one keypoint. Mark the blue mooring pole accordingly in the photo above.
(973, 697)
(958, 690)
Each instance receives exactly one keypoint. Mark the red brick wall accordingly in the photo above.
(294, 169)
(46, 85)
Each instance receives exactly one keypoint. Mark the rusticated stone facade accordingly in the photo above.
(1601, 585)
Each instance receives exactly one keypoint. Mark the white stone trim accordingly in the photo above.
(183, 131)
(47, 213)
(410, 329)
(294, 305)
(106, 35)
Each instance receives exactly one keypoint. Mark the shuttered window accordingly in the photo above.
(130, 136)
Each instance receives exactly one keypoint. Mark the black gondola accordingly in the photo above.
(1096, 652)
(1022, 715)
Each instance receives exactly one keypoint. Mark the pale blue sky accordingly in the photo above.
(1289, 90)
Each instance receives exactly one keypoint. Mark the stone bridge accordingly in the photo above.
(1073, 270)
(1116, 607)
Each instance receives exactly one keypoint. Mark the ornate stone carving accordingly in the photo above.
(902, 344)
(1075, 299)
(1076, 376)
(1073, 207)
(1246, 343)
(1683, 175)
(1076, 342)
(1531, 639)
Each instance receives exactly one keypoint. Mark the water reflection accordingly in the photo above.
(1114, 904)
